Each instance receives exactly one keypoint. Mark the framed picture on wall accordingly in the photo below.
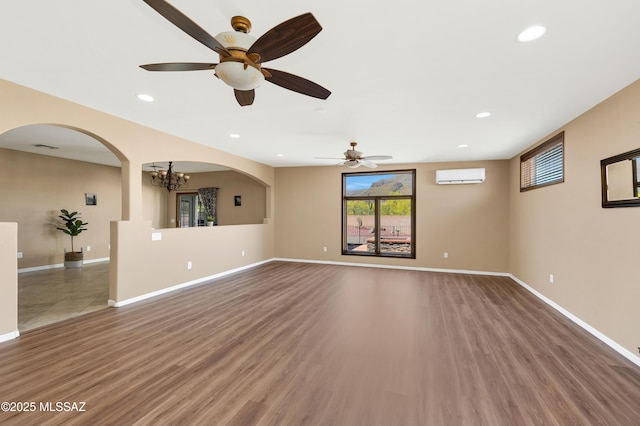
(237, 200)
(91, 199)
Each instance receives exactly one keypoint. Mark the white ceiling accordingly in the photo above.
(407, 77)
(61, 142)
(58, 141)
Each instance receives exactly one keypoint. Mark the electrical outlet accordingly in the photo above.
(324, 249)
(189, 265)
(446, 255)
(88, 248)
(19, 255)
(243, 253)
(551, 278)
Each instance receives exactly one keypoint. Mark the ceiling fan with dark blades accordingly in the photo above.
(242, 55)
(353, 158)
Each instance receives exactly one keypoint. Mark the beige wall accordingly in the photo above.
(39, 186)
(144, 266)
(563, 230)
(467, 221)
(8, 279)
(154, 203)
(20, 106)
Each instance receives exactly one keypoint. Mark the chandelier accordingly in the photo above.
(169, 179)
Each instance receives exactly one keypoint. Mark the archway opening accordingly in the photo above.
(50, 168)
(239, 199)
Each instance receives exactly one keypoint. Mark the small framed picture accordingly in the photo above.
(237, 200)
(91, 199)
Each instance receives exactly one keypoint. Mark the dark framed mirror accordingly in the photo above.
(620, 180)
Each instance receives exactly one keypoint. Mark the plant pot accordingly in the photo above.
(73, 259)
(209, 223)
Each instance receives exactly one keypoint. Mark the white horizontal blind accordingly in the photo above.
(543, 165)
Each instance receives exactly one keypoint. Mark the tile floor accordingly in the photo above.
(52, 295)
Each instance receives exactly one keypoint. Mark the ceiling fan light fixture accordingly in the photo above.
(241, 55)
(353, 158)
(235, 40)
(237, 76)
(235, 72)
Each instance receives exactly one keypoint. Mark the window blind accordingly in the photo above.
(543, 165)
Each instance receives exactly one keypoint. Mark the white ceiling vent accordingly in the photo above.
(41, 145)
(459, 176)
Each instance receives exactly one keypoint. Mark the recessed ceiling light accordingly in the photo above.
(234, 135)
(279, 155)
(464, 145)
(484, 114)
(532, 33)
(145, 97)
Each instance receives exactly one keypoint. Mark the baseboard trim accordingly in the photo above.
(408, 268)
(59, 265)
(584, 325)
(9, 336)
(183, 285)
(41, 268)
(102, 259)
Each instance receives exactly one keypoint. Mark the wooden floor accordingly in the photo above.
(294, 343)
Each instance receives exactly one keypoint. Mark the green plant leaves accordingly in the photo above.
(73, 224)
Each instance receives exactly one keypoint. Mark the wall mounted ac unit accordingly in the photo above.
(458, 176)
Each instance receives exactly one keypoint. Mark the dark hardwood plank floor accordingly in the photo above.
(295, 343)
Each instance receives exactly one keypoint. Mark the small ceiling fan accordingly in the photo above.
(242, 55)
(353, 158)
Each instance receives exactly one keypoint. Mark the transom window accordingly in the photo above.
(543, 165)
(378, 213)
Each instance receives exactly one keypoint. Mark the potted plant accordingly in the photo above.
(73, 226)
(210, 220)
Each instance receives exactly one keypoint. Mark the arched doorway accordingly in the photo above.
(49, 168)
